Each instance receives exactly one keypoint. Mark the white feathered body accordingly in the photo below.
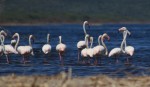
(81, 44)
(61, 47)
(98, 50)
(9, 49)
(46, 48)
(25, 50)
(129, 50)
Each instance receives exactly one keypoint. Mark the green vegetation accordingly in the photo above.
(23, 11)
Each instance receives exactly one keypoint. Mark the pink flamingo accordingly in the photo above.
(116, 52)
(9, 49)
(82, 44)
(101, 50)
(47, 47)
(24, 50)
(61, 49)
(84, 51)
(129, 50)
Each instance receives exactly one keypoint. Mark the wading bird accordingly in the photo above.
(24, 50)
(101, 50)
(116, 52)
(61, 49)
(2, 34)
(82, 44)
(128, 50)
(9, 49)
(47, 47)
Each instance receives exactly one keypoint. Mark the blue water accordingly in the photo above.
(71, 34)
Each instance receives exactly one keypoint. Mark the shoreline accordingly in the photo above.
(65, 80)
(60, 23)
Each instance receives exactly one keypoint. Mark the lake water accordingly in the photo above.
(71, 34)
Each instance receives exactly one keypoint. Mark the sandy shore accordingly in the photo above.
(65, 80)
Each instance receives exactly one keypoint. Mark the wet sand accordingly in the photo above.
(65, 80)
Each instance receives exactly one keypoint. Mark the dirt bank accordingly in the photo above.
(65, 80)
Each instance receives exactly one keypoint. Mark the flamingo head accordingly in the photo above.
(91, 39)
(99, 36)
(3, 33)
(15, 35)
(86, 23)
(32, 37)
(105, 35)
(123, 29)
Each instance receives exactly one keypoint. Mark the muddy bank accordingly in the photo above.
(65, 80)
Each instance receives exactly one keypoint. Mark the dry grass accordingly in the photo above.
(65, 80)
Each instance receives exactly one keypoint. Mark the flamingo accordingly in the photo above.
(47, 47)
(24, 50)
(82, 44)
(61, 49)
(101, 50)
(8, 49)
(84, 51)
(129, 50)
(116, 52)
(97, 49)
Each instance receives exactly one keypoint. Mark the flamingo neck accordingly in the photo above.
(60, 40)
(48, 38)
(99, 40)
(30, 41)
(18, 39)
(84, 28)
(91, 43)
(106, 50)
(2, 42)
(86, 41)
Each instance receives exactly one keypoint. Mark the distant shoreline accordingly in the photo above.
(59, 23)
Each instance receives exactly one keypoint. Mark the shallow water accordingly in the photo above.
(71, 34)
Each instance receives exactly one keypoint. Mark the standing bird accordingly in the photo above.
(129, 50)
(100, 50)
(47, 47)
(9, 49)
(2, 34)
(116, 52)
(25, 50)
(82, 44)
(61, 49)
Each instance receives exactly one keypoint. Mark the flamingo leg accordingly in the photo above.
(61, 59)
(100, 60)
(23, 59)
(128, 62)
(78, 55)
(45, 61)
(96, 60)
(117, 61)
(7, 59)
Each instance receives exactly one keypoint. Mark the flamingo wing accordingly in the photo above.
(10, 49)
(81, 44)
(115, 51)
(129, 50)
